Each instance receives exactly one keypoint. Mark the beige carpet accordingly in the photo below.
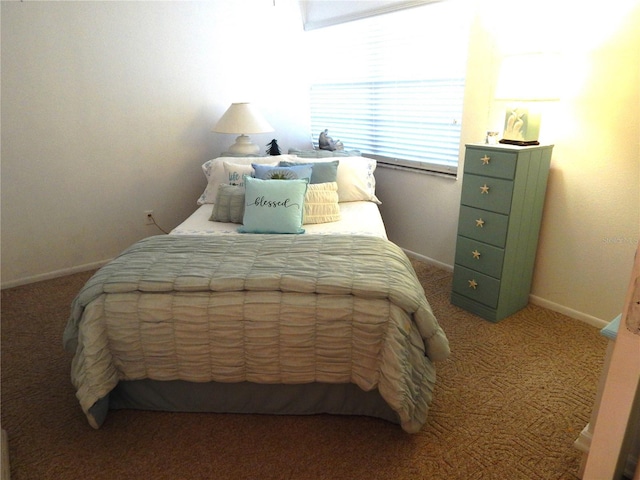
(508, 405)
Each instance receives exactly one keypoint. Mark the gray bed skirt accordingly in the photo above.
(245, 397)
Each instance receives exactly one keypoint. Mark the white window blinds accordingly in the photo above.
(392, 86)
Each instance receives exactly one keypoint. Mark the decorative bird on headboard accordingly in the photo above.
(325, 142)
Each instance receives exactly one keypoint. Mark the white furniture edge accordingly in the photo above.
(583, 442)
(5, 471)
(616, 420)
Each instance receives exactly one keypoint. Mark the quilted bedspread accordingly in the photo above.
(259, 308)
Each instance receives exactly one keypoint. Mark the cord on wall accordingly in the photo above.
(152, 221)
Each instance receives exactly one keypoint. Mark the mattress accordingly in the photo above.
(358, 218)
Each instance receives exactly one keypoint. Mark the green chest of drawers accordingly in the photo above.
(503, 193)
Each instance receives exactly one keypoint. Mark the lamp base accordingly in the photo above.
(243, 146)
(521, 143)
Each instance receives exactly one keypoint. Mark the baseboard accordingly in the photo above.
(583, 442)
(55, 274)
(428, 260)
(569, 312)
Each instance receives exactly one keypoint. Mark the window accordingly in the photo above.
(392, 86)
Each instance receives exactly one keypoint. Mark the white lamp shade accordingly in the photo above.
(529, 76)
(242, 118)
(525, 80)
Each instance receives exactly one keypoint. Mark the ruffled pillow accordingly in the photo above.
(321, 203)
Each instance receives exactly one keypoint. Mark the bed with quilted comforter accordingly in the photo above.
(256, 323)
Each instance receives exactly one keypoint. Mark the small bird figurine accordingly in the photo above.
(325, 142)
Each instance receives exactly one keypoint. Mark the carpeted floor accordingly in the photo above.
(509, 404)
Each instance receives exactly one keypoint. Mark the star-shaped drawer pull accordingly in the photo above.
(479, 223)
(473, 284)
(476, 254)
(484, 189)
(486, 159)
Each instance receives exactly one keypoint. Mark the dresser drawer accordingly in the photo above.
(479, 256)
(490, 163)
(488, 227)
(488, 193)
(476, 286)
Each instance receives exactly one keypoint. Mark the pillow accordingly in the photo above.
(229, 206)
(321, 203)
(322, 172)
(214, 172)
(317, 153)
(234, 173)
(355, 178)
(356, 181)
(268, 172)
(273, 206)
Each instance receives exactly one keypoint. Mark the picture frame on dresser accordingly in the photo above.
(501, 206)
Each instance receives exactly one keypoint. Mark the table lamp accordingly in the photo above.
(524, 81)
(242, 118)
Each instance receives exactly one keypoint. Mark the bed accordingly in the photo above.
(246, 307)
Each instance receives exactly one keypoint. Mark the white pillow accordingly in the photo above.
(234, 173)
(214, 171)
(356, 181)
(355, 178)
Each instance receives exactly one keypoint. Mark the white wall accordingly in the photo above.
(592, 218)
(107, 109)
(591, 222)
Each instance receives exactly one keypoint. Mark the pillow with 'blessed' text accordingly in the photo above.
(273, 206)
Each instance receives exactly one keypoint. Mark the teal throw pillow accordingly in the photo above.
(322, 172)
(270, 172)
(273, 206)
